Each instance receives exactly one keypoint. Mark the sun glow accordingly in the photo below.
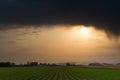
(84, 30)
(75, 43)
(87, 33)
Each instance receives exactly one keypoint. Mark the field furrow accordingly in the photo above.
(58, 73)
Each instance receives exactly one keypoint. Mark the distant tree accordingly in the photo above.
(6, 64)
(44, 64)
(53, 64)
(68, 64)
(41, 64)
(118, 64)
(13, 64)
(33, 64)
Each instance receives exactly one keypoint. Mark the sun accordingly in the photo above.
(84, 31)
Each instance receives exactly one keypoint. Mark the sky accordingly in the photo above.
(57, 31)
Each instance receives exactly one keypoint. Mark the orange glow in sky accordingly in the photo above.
(59, 44)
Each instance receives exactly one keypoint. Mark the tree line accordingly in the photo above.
(36, 64)
(30, 64)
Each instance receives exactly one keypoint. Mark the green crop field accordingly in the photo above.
(58, 73)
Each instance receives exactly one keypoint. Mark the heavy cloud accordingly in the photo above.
(103, 14)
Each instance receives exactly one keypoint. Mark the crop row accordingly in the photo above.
(58, 73)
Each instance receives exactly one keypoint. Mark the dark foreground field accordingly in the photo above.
(58, 73)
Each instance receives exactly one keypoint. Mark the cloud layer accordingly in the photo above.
(102, 14)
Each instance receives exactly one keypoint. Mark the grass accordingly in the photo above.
(58, 73)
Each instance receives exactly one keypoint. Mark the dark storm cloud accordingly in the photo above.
(104, 14)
